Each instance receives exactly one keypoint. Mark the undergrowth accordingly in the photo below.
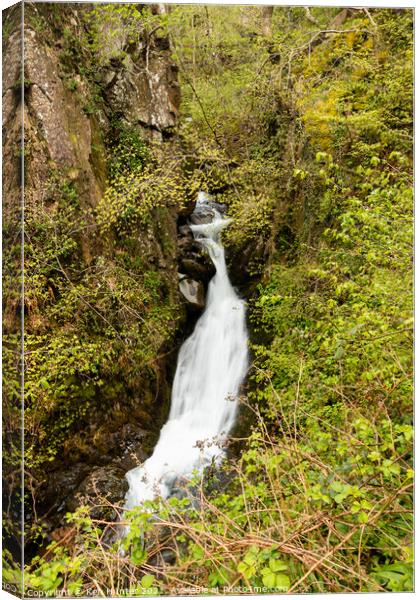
(310, 147)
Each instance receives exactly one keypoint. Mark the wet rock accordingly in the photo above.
(103, 490)
(203, 212)
(133, 457)
(73, 485)
(193, 292)
(193, 261)
(62, 483)
(185, 230)
(187, 245)
(201, 215)
(187, 209)
(137, 450)
(196, 270)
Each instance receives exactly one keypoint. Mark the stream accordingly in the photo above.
(212, 364)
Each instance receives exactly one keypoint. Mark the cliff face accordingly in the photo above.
(69, 106)
(102, 308)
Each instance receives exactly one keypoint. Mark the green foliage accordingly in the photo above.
(70, 568)
(264, 567)
(129, 154)
(310, 146)
(106, 319)
(326, 476)
(11, 572)
(71, 85)
(140, 523)
(112, 29)
(133, 194)
(58, 399)
(397, 576)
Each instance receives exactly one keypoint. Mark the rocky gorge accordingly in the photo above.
(129, 131)
(67, 144)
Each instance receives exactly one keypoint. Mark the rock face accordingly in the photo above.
(70, 112)
(195, 269)
(148, 98)
(144, 87)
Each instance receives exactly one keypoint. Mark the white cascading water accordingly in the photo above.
(212, 364)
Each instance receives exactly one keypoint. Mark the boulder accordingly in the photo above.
(203, 216)
(187, 246)
(103, 490)
(192, 291)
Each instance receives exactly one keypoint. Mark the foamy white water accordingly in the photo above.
(212, 364)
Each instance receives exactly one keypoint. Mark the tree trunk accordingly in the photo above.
(266, 20)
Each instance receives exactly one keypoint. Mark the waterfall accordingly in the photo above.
(212, 364)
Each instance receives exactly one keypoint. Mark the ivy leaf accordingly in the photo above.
(147, 581)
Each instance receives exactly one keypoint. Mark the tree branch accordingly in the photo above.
(310, 17)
